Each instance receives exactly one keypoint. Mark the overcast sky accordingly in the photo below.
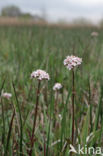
(59, 9)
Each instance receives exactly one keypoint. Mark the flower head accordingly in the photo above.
(40, 75)
(57, 86)
(94, 34)
(6, 95)
(60, 116)
(72, 61)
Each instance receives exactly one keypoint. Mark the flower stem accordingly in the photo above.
(35, 118)
(56, 110)
(73, 96)
(56, 101)
(3, 119)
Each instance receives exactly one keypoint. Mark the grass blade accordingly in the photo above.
(9, 133)
(21, 130)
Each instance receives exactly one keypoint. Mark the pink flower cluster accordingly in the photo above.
(6, 95)
(72, 61)
(40, 75)
(94, 34)
(57, 86)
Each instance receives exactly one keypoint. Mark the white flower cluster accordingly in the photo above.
(57, 86)
(72, 61)
(6, 95)
(40, 75)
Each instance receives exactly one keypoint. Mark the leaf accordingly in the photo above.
(20, 117)
(94, 137)
(85, 128)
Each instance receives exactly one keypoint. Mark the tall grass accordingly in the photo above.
(27, 48)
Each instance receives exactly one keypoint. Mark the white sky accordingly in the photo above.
(59, 9)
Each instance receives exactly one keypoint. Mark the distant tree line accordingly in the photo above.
(14, 11)
(11, 11)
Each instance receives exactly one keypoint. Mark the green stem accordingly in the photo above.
(3, 119)
(73, 96)
(21, 128)
(35, 118)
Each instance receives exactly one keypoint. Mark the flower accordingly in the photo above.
(6, 95)
(94, 34)
(60, 116)
(57, 86)
(72, 61)
(40, 75)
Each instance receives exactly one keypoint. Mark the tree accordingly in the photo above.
(11, 11)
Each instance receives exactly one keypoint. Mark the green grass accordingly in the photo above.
(27, 48)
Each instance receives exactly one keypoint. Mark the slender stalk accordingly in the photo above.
(21, 128)
(55, 108)
(73, 96)
(90, 106)
(56, 101)
(3, 119)
(35, 118)
(9, 133)
(44, 147)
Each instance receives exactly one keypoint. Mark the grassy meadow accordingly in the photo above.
(24, 49)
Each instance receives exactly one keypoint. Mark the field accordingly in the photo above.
(24, 49)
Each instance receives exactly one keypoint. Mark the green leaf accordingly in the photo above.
(85, 128)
